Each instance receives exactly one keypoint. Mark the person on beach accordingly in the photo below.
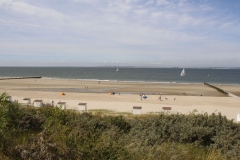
(159, 98)
(140, 96)
(144, 96)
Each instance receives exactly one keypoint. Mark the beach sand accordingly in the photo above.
(188, 97)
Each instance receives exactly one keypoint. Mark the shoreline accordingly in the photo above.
(108, 80)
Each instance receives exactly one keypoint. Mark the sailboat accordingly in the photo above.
(116, 69)
(183, 72)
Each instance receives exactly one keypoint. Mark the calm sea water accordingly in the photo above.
(168, 75)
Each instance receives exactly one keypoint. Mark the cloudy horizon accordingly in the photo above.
(157, 33)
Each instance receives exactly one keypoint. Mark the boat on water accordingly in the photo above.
(183, 72)
(116, 69)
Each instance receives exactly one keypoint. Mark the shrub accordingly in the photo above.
(52, 133)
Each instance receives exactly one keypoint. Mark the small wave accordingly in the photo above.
(47, 78)
(129, 81)
(101, 80)
(233, 84)
(189, 83)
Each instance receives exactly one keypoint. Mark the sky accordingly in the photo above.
(153, 33)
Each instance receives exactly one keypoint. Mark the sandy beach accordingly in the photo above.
(188, 97)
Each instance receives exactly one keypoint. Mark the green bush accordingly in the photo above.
(52, 133)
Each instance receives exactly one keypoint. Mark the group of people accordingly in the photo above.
(142, 95)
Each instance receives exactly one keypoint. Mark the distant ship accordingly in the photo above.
(183, 72)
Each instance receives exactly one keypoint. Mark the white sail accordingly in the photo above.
(117, 69)
(183, 72)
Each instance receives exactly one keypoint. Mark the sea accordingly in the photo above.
(129, 74)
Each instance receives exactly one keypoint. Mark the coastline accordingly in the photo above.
(96, 95)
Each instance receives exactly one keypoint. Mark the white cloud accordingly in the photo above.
(141, 12)
(24, 8)
(182, 3)
(155, 63)
(163, 2)
(206, 8)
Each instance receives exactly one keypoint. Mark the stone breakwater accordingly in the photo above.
(221, 90)
(7, 78)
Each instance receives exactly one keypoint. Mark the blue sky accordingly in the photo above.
(157, 33)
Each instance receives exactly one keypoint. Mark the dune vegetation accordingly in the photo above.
(53, 133)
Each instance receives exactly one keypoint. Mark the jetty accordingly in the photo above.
(220, 90)
(7, 78)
